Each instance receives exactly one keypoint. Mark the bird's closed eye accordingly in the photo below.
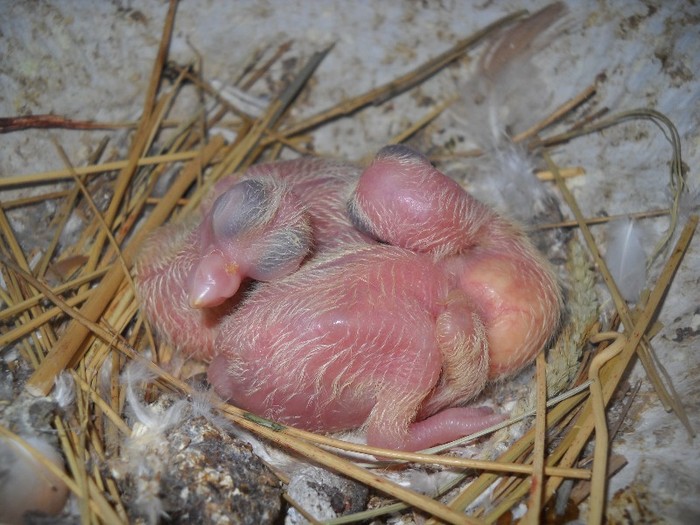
(246, 205)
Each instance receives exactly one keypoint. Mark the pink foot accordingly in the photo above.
(443, 427)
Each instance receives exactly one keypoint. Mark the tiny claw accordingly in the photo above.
(212, 281)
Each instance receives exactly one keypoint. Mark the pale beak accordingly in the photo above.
(213, 281)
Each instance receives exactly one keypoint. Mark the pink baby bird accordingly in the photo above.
(392, 337)
(401, 199)
(260, 226)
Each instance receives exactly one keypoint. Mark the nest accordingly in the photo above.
(73, 316)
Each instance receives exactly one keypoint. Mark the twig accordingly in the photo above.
(10, 124)
(38, 320)
(557, 114)
(537, 480)
(612, 374)
(602, 220)
(566, 173)
(383, 93)
(64, 352)
(159, 62)
(261, 70)
(34, 199)
(31, 301)
(631, 396)
(52, 176)
(95, 210)
(421, 123)
(46, 338)
(517, 449)
(240, 153)
(104, 406)
(677, 180)
(620, 304)
(600, 451)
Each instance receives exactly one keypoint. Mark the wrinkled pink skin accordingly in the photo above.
(184, 263)
(402, 200)
(392, 337)
(306, 212)
(377, 335)
(162, 269)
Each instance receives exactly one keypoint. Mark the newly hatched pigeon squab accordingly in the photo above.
(401, 199)
(260, 226)
(410, 297)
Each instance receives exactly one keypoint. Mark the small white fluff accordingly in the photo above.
(64, 391)
(243, 101)
(153, 422)
(144, 453)
(507, 96)
(626, 258)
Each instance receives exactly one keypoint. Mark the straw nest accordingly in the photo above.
(71, 314)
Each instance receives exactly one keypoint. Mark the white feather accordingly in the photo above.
(626, 258)
(507, 96)
(64, 391)
(153, 420)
